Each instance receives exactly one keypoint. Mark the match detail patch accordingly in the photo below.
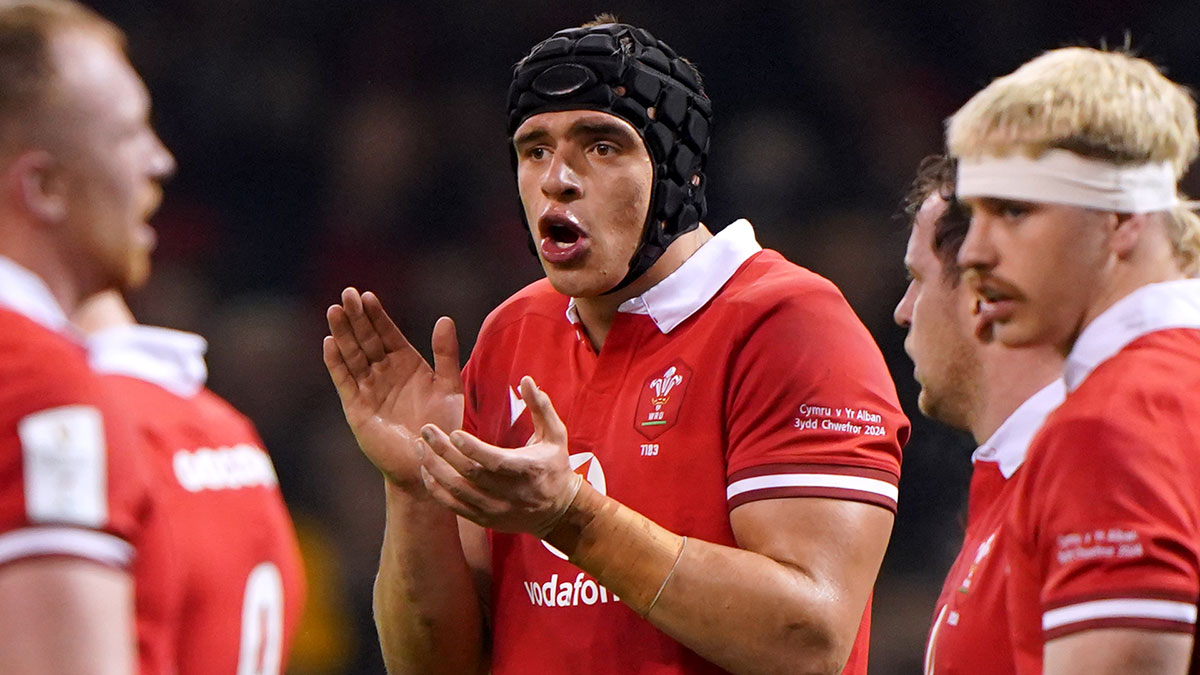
(64, 460)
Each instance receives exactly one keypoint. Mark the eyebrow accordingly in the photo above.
(530, 136)
(588, 128)
(596, 128)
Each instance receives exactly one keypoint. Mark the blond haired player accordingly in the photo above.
(80, 168)
(998, 394)
(723, 447)
(124, 500)
(1079, 240)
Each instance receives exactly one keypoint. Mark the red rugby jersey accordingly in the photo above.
(71, 478)
(969, 633)
(224, 547)
(1106, 524)
(739, 377)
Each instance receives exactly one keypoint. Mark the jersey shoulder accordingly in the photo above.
(769, 283)
(538, 300)
(39, 367)
(1136, 413)
(1152, 379)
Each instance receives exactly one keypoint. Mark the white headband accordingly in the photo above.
(1063, 177)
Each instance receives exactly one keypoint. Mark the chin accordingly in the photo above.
(578, 283)
(943, 411)
(136, 276)
(925, 403)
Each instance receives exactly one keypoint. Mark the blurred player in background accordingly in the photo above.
(1000, 395)
(728, 450)
(118, 496)
(223, 557)
(1079, 241)
(79, 176)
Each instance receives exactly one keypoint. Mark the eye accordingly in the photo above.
(1013, 210)
(604, 149)
(536, 152)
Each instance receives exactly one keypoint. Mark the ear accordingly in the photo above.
(1126, 233)
(32, 184)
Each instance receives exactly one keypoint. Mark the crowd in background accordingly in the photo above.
(324, 144)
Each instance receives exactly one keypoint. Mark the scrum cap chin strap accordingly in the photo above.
(622, 70)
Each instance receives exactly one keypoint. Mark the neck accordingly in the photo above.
(598, 312)
(1008, 378)
(1151, 261)
(29, 248)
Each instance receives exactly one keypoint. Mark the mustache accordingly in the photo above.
(972, 277)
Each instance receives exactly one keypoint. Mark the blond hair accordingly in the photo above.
(27, 68)
(1106, 105)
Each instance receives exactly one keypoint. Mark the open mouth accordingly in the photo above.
(562, 239)
(562, 235)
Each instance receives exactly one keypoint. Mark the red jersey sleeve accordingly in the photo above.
(470, 400)
(1114, 526)
(70, 480)
(812, 410)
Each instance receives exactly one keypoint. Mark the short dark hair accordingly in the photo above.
(936, 175)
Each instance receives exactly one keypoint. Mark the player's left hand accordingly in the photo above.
(524, 489)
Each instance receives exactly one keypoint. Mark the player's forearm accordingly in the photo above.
(427, 610)
(741, 610)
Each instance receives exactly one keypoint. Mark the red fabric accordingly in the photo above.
(1109, 499)
(41, 370)
(776, 337)
(219, 522)
(968, 635)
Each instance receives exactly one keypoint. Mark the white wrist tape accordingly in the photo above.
(1063, 177)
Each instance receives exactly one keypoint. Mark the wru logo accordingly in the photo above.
(662, 386)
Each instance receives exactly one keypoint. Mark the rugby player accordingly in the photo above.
(221, 582)
(1079, 240)
(80, 169)
(124, 499)
(713, 486)
(1001, 396)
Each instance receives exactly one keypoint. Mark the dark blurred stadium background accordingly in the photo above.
(323, 144)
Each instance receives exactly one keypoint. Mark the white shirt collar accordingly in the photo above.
(683, 292)
(1170, 304)
(1009, 443)
(24, 292)
(171, 359)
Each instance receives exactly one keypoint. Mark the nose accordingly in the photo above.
(977, 251)
(902, 315)
(561, 182)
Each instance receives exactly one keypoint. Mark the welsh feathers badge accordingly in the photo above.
(662, 394)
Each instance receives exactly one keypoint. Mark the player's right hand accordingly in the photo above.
(388, 390)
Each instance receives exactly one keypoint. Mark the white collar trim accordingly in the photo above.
(1009, 443)
(25, 293)
(1170, 304)
(171, 359)
(683, 292)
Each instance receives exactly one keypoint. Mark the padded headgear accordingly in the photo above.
(622, 70)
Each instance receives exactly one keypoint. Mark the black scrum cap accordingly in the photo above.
(622, 70)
